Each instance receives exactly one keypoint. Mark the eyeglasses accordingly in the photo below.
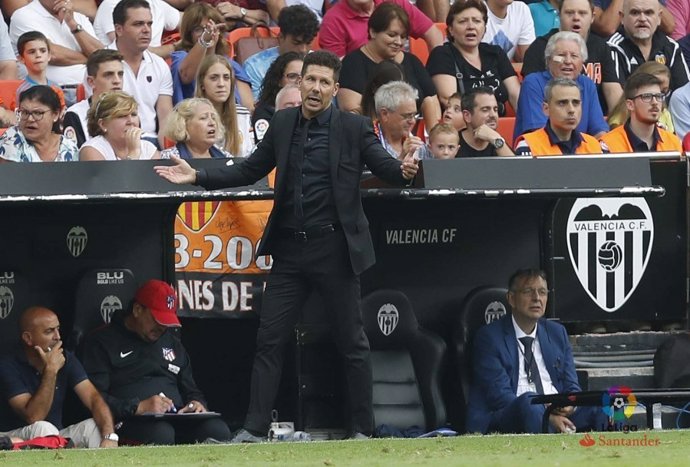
(409, 116)
(37, 115)
(293, 77)
(648, 96)
(530, 292)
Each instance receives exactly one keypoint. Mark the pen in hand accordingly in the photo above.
(172, 409)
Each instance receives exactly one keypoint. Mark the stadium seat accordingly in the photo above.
(236, 35)
(8, 93)
(100, 292)
(406, 363)
(481, 306)
(418, 46)
(506, 126)
(15, 297)
(81, 92)
(686, 143)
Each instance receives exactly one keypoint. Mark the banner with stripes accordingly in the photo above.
(610, 242)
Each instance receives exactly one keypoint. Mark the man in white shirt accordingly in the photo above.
(510, 27)
(165, 18)
(147, 76)
(72, 38)
(8, 59)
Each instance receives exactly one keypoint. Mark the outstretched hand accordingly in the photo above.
(180, 173)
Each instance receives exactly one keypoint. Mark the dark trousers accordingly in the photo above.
(144, 431)
(322, 264)
(521, 416)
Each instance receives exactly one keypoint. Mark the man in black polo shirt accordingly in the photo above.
(142, 370)
(576, 16)
(639, 40)
(480, 138)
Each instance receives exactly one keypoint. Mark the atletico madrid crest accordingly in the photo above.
(610, 242)
(168, 354)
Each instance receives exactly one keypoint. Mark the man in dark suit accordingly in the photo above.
(317, 232)
(519, 356)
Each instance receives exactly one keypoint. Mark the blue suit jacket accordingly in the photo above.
(495, 367)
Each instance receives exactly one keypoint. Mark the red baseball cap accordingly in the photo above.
(161, 299)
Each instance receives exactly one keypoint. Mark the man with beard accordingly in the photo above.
(563, 109)
(576, 16)
(480, 138)
(644, 100)
(639, 40)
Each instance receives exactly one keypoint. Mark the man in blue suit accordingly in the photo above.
(519, 356)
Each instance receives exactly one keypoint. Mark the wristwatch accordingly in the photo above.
(499, 142)
(243, 12)
(77, 29)
(112, 437)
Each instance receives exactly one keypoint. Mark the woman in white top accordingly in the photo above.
(195, 127)
(113, 123)
(216, 82)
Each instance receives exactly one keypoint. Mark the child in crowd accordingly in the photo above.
(443, 143)
(453, 113)
(33, 51)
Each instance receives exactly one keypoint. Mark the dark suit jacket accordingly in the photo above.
(352, 143)
(495, 367)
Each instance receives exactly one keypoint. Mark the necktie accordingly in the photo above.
(531, 364)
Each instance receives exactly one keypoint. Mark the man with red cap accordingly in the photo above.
(142, 370)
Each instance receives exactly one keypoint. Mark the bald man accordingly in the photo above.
(35, 379)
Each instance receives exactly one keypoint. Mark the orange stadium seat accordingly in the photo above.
(418, 47)
(81, 92)
(506, 126)
(240, 33)
(2, 131)
(686, 143)
(8, 93)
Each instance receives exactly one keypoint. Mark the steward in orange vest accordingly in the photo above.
(544, 142)
(622, 139)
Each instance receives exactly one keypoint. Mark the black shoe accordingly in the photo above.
(243, 436)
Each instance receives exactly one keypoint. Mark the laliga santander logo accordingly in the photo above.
(619, 397)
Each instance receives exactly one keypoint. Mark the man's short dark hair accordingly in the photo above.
(467, 102)
(97, 58)
(560, 4)
(299, 22)
(637, 81)
(28, 37)
(526, 273)
(120, 11)
(323, 58)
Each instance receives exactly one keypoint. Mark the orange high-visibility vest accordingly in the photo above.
(540, 144)
(617, 141)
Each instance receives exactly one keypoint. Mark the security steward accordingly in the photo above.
(563, 107)
(641, 133)
(143, 371)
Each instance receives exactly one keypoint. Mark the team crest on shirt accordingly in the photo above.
(610, 242)
(260, 128)
(70, 133)
(388, 318)
(168, 354)
(660, 58)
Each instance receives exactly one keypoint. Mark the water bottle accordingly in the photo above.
(656, 411)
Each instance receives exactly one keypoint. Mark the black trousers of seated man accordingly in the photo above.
(321, 264)
(136, 431)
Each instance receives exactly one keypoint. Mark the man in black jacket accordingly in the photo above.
(142, 370)
(317, 232)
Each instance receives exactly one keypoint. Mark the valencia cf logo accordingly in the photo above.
(388, 318)
(110, 305)
(197, 214)
(494, 311)
(6, 301)
(610, 242)
(76, 240)
(168, 354)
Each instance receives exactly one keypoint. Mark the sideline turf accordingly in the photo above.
(509, 451)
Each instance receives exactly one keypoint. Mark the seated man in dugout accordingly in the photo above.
(143, 370)
(35, 380)
(563, 109)
(645, 102)
(520, 356)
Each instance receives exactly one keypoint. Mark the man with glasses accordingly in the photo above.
(519, 356)
(645, 101)
(640, 40)
(396, 112)
(298, 28)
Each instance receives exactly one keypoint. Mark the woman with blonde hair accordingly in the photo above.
(195, 127)
(113, 123)
(216, 82)
(201, 34)
(620, 113)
